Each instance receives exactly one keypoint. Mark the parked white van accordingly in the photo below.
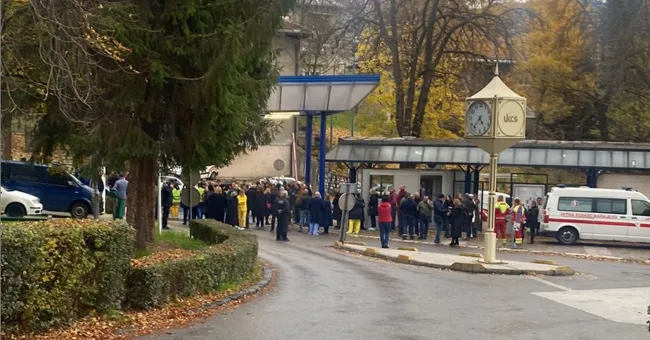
(586, 213)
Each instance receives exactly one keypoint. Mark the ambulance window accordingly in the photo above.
(640, 208)
(611, 206)
(579, 204)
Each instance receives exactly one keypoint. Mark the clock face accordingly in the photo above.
(478, 118)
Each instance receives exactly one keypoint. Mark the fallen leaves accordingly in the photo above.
(126, 325)
(162, 256)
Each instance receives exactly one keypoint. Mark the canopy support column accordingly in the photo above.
(321, 153)
(308, 139)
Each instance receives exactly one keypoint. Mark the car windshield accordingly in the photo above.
(77, 181)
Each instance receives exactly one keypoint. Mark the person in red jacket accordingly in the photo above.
(384, 217)
(501, 210)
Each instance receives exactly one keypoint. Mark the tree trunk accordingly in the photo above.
(143, 181)
(132, 196)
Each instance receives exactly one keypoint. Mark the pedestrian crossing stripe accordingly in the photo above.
(624, 305)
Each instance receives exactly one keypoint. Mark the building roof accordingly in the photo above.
(534, 153)
(294, 30)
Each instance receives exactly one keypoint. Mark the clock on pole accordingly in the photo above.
(495, 119)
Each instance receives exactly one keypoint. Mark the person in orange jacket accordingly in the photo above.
(501, 210)
(518, 220)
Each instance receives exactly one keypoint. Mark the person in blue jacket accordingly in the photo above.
(316, 207)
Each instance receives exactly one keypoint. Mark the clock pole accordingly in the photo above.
(489, 235)
(507, 126)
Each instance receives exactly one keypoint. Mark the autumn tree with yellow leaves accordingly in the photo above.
(584, 67)
(420, 47)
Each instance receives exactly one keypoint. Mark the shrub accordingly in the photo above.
(231, 257)
(57, 270)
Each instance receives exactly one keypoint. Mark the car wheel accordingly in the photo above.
(79, 210)
(15, 210)
(213, 175)
(567, 235)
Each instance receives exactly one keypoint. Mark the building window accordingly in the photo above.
(381, 183)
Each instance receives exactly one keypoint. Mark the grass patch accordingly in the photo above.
(177, 239)
(168, 240)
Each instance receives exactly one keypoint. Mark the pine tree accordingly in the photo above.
(190, 91)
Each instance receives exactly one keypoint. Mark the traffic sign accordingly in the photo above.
(190, 198)
(347, 201)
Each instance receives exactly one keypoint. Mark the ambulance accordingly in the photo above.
(571, 214)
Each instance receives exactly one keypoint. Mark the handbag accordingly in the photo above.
(516, 226)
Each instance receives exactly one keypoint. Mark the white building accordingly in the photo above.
(259, 163)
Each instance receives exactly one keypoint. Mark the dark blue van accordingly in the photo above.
(58, 190)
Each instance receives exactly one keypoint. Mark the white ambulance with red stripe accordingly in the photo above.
(570, 214)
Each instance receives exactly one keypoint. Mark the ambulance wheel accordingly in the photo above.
(567, 235)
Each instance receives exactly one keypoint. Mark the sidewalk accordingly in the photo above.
(602, 250)
(469, 262)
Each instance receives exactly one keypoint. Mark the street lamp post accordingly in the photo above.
(495, 119)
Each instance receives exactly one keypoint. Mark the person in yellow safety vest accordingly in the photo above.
(176, 201)
(242, 208)
(501, 210)
(518, 220)
(199, 208)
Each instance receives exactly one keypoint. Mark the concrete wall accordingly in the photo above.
(287, 54)
(640, 182)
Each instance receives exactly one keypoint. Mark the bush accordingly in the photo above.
(231, 257)
(57, 270)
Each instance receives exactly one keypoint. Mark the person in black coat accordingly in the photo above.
(316, 207)
(231, 209)
(283, 207)
(166, 202)
(327, 215)
(532, 221)
(337, 212)
(259, 206)
(457, 221)
(373, 203)
(270, 199)
(216, 204)
(250, 203)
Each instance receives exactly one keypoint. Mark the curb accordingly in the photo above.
(256, 288)
(522, 251)
(475, 268)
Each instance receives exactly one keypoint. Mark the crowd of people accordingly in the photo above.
(409, 214)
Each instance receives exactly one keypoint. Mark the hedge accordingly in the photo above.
(58, 270)
(231, 257)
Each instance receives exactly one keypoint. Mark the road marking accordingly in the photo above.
(597, 251)
(625, 305)
(548, 283)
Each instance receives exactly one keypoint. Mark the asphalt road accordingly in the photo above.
(321, 293)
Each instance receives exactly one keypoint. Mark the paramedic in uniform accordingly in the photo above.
(518, 220)
(501, 210)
